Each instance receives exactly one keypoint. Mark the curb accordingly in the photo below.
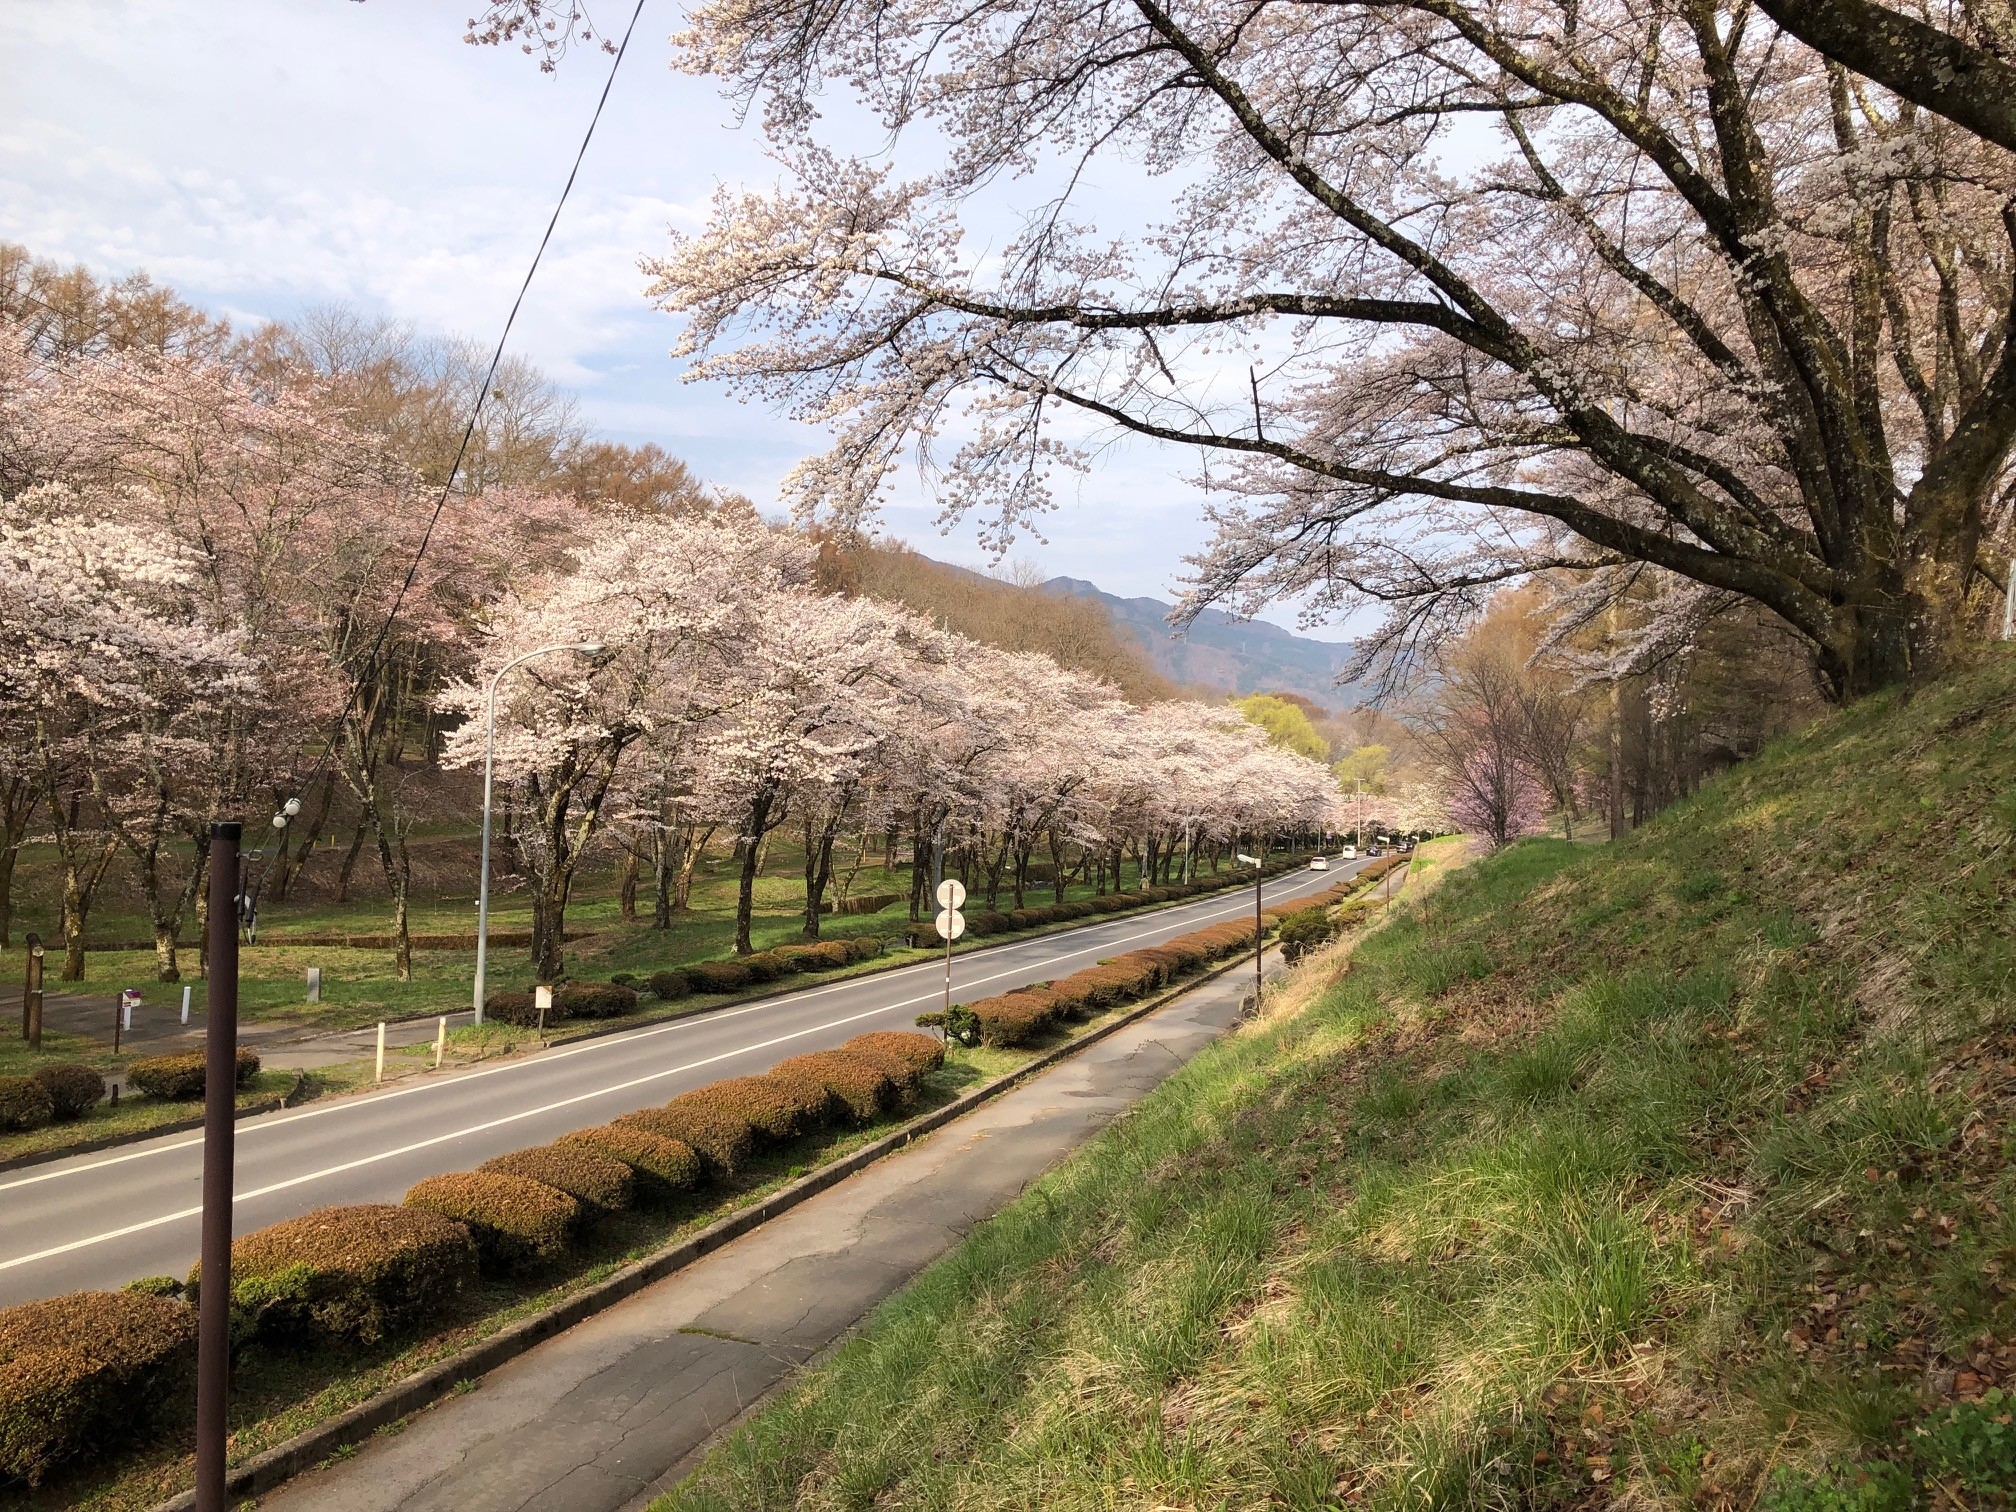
(272, 1467)
(184, 1126)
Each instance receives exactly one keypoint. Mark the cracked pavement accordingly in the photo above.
(605, 1416)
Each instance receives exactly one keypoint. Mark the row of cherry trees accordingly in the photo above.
(208, 604)
(734, 695)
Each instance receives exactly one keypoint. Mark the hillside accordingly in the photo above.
(1224, 653)
(1673, 1173)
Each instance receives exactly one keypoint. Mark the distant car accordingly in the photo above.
(1377, 850)
(1319, 864)
(1349, 853)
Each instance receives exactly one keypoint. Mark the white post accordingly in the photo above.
(185, 1002)
(440, 1039)
(380, 1073)
(2009, 604)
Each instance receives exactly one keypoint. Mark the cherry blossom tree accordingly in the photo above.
(1448, 295)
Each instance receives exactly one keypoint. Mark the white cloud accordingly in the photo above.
(265, 157)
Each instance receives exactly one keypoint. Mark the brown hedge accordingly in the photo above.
(351, 1273)
(718, 976)
(601, 1184)
(73, 1090)
(861, 1086)
(517, 1223)
(723, 1141)
(82, 1372)
(25, 1103)
(662, 1168)
(1015, 1018)
(179, 1078)
(774, 1110)
(923, 1053)
(905, 1078)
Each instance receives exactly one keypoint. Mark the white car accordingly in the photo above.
(1350, 853)
(1319, 864)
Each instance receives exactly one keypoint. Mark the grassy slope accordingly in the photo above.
(1674, 1172)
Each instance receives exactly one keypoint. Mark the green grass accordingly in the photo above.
(1668, 1173)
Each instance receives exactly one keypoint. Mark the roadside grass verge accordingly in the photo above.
(1668, 1173)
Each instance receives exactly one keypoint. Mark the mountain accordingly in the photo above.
(1220, 652)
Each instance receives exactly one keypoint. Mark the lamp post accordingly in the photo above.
(584, 648)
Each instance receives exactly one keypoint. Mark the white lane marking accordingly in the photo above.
(352, 1104)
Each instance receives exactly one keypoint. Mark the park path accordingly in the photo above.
(607, 1415)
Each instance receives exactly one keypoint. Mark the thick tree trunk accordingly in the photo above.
(626, 892)
(350, 861)
(753, 834)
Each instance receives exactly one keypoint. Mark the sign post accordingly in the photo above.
(951, 924)
(31, 995)
(220, 1077)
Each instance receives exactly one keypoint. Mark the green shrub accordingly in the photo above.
(155, 1286)
(592, 1000)
(623, 978)
(794, 957)
(179, 1078)
(601, 1184)
(351, 1273)
(517, 1223)
(988, 922)
(670, 986)
(862, 948)
(859, 1084)
(25, 1103)
(83, 1372)
(1305, 930)
(662, 1168)
(73, 1090)
(719, 976)
(516, 1008)
(960, 1024)
(722, 1140)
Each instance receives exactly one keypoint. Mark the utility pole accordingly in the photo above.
(1259, 925)
(220, 1085)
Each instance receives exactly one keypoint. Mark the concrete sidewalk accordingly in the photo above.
(607, 1415)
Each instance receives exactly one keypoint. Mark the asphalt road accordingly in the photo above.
(101, 1220)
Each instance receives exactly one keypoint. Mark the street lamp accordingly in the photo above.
(584, 648)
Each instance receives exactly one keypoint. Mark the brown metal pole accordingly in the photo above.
(1259, 871)
(220, 1083)
(31, 994)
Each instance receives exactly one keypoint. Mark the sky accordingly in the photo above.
(265, 156)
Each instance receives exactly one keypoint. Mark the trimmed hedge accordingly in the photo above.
(773, 1110)
(590, 1000)
(79, 1373)
(600, 1184)
(722, 1140)
(351, 1273)
(923, 1052)
(861, 1085)
(517, 1223)
(179, 1078)
(73, 1090)
(662, 1168)
(25, 1103)
(718, 976)
(765, 966)
(670, 986)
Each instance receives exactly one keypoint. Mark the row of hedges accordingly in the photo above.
(49, 1094)
(79, 1372)
(764, 966)
(1015, 1018)
(991, 922)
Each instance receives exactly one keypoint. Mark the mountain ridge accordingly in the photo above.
(1225, 653)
